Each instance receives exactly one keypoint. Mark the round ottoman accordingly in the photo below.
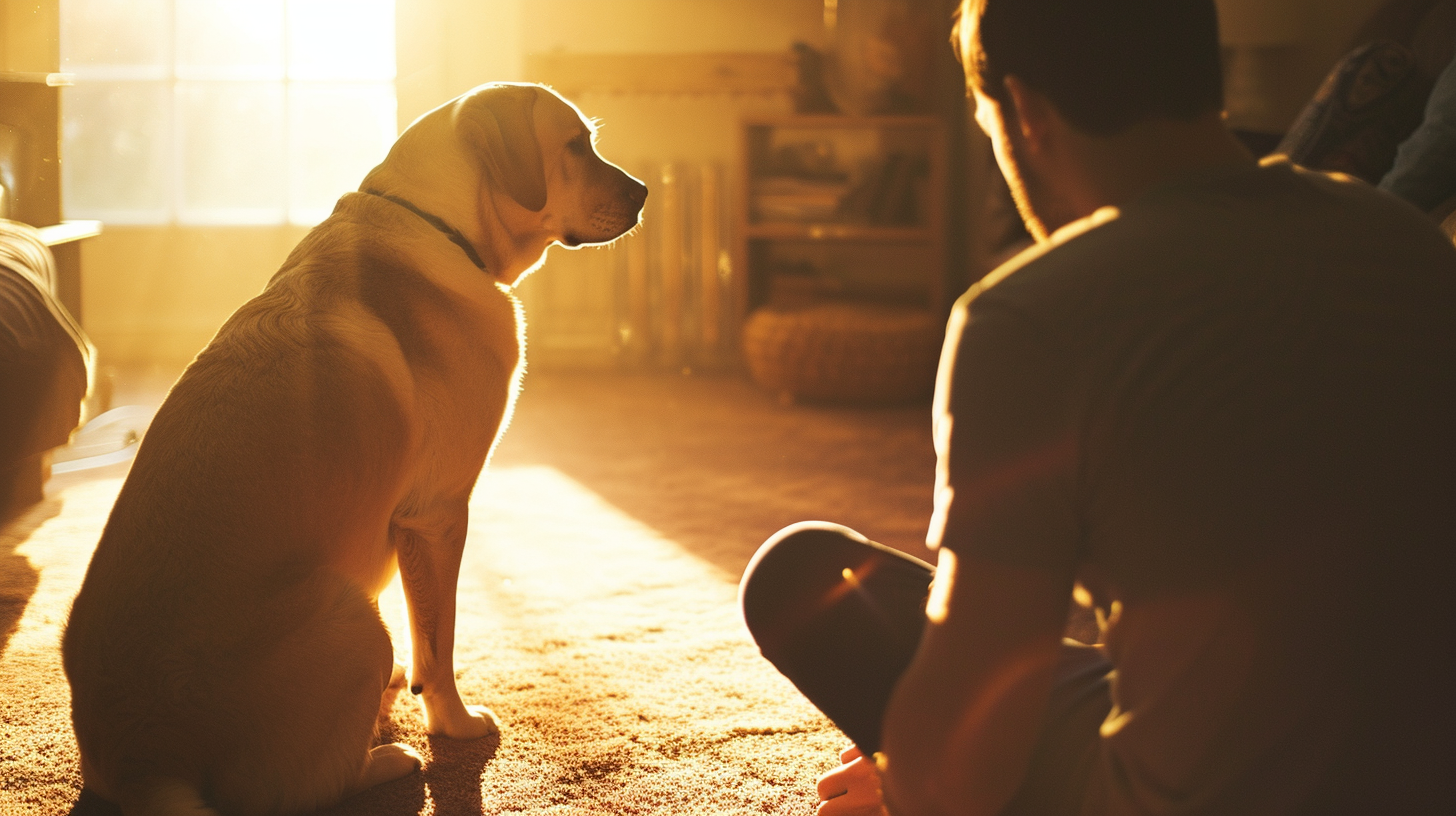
(844, 352)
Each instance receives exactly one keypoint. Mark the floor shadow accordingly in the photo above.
(18, 577)
(454, 772)
(717, 465)
(450, 781)
(89, 804)
(405, 796)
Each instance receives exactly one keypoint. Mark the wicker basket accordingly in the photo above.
(844, 352)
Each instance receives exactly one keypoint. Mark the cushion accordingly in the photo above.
(1371, 101)
(849, 352)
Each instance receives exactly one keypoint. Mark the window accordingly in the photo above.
(223, 111)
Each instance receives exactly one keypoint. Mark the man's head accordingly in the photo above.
(1105, 64)
(1102, 68)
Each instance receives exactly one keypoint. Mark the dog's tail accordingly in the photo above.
(168, 797)
(158, 797)
(92, 805)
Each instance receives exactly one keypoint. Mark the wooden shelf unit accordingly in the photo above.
(872, 222)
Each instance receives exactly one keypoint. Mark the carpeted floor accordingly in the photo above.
(597, 603)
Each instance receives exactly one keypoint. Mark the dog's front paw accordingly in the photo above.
(468, 722)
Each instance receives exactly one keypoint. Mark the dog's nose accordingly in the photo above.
(637, 192)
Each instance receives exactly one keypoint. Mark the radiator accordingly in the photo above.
(661, 297)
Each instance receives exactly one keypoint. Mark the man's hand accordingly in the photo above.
(852, 789)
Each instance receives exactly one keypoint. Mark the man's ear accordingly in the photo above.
(1036, 118)
(498, 123)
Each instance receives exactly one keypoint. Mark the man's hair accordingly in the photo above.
(1104, 64)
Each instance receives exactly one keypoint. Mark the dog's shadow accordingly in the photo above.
(18, 577)
(453, 775)
(450, 779)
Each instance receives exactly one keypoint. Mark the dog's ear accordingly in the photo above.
(499, 125)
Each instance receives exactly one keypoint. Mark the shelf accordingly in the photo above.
(54, 80)
(880, 238)
(791, 230)
(841, 121)
(68, 231)
(686, 74)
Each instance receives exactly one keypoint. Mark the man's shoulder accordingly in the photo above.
(1273, 220)
(1063, 270)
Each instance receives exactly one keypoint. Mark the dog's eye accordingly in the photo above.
(580, 145)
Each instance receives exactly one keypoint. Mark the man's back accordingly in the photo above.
(1241, 396)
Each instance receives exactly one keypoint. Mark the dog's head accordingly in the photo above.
(538, 149)
(515, 168)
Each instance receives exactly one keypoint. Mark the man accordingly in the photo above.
(1218, 398)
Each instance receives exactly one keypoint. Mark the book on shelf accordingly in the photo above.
(887, 195)
(789, 198)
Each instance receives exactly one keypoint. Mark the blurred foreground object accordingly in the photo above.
(45, 366)
(1369, 104)
(1424, 172)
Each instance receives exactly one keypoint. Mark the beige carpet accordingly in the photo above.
(597, 604)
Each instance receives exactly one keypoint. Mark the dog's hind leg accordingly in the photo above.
(313, 703)
(386, 763)
(397, 682)
(164, 797)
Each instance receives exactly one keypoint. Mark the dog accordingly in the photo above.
(225, 651)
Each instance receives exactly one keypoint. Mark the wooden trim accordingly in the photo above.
(807, 231)
(838, 121)
(688, 74)
(68, 231)
(54, 80)
(709, 245)
(670, 261)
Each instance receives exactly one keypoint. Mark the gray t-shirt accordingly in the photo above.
(1227, 410)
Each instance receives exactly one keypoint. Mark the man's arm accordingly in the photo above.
(963, 721)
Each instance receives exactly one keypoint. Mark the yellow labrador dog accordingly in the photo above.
(226, 652)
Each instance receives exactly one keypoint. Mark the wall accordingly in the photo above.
(446, 47)
(156, 295)
(28, 39)
(159, 293)
(636, 26)
(686, 128)
(1277, 53)
(488, 41)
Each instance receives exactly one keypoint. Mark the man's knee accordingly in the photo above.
(840, 616)
(812, 574)
(799, 562)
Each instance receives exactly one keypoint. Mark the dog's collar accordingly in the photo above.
(439, 224)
